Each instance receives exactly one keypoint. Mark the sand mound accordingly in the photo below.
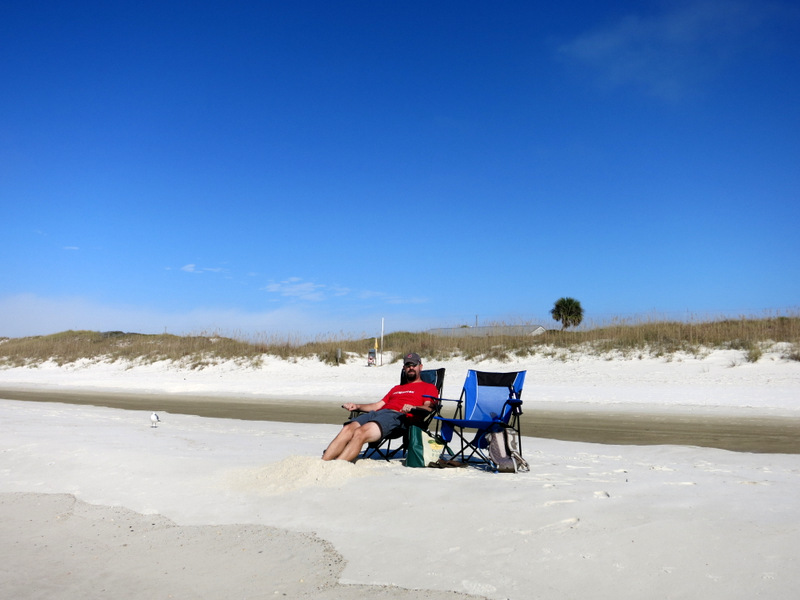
(296, 472)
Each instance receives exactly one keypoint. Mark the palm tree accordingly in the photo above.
(568, 311)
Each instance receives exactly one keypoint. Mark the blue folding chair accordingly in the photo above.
(489, 403)
(419, 417)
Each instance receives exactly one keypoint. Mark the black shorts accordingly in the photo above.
(387, 420)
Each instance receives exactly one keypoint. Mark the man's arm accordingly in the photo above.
(407, 408)
(364, 407)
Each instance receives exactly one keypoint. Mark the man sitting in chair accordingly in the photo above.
(382, 418)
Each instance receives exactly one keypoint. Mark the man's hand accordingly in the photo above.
(350, 406)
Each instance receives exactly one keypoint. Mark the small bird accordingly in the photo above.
(154, 420)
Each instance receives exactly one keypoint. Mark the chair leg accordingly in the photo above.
(383, 448)
(470, 450)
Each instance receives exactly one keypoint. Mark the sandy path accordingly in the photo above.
(73, 550)
(737, 432)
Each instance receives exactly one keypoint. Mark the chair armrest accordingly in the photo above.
(355, 412)
(436, 403)
(516, 405)
(418, 410)
(448, 400)
(421, 417)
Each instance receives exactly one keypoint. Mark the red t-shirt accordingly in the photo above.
(409, 393)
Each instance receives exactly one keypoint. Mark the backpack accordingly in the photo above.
(504, 451)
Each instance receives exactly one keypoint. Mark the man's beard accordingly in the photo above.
(411, 376)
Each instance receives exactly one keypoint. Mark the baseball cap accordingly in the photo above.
(412, 358)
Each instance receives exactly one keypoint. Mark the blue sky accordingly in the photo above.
(308, 168)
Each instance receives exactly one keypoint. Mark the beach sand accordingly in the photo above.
(96, 503)
(55, 546)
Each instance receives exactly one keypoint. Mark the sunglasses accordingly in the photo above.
(410, 365)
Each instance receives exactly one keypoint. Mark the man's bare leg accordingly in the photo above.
(341, 440)
(369, 432)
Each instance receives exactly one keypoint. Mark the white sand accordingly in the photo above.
(721, 378)
(588, 521)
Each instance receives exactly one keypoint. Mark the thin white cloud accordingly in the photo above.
(295, 287)
(193, 268)
(298, 289)
(669, 53)
(403, 300)
(340, 291)
(71, 248)
(370, 294)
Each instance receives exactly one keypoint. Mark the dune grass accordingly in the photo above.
(626, 339)
(618, 339)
